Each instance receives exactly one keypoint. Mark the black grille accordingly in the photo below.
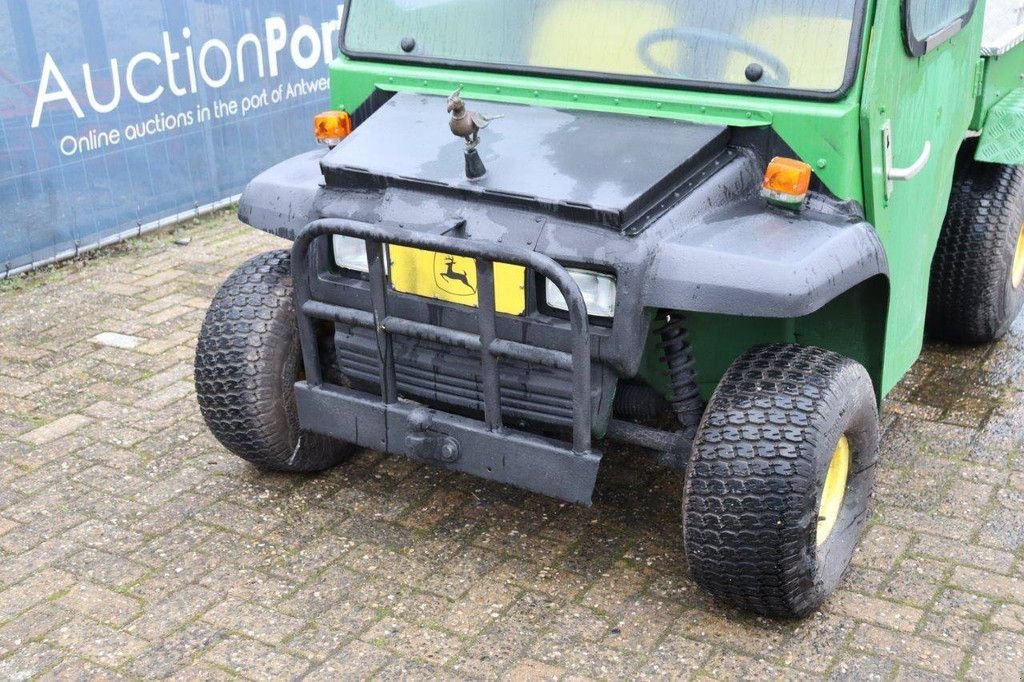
(451, 377)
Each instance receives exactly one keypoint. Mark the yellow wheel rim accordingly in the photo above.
(1018, 261)
(834, 492)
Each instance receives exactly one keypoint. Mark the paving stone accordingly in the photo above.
(104, 535)
(982, 582)
(919, 652)
(878, 611)
(907, 673)
(862, 669)
(253, 621)
(33, 564)
(1000, 656)
(676, 657)
(528, 671)
(951, 629)
(30, 625)
(332, 631)
(724, 629)
(103, 567)
(915, 581)
(729, 666)
(357, 661)
(41, 585)
(18, 388)
(970, 555)
(499, 647)
(409, 670)
(482, 605)
(159, 278)
(29, 662)
(1009, 616)
(433, 646)
(597, 661)
(881, 547)
(64, 426)
(642, 625)
(100, 604)
(955, 601)
(1004, 529)
(816, 644)
(258, 661)
(98, 643)
(176, 609)
(615, 590)
(175, 652)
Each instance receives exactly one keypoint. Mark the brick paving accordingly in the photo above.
(132, 545)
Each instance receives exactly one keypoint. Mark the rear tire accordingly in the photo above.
(976, 288)
(247, 362)
(758, 482)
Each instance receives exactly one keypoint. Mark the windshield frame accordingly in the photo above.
(850, 74)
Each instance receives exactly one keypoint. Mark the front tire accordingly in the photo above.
(770, 518)
(247, 362)
(977, 280)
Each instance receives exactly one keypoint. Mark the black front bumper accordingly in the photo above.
(404, 428)
(391, 423)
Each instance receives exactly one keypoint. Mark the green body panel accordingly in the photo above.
(998, 77)
(853, 325)
(933, 98)
(925, 100)
(999, 111)
(1002, 140)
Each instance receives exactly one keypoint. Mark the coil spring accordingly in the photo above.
(686, 400)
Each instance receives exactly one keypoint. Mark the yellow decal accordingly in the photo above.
(453, 279)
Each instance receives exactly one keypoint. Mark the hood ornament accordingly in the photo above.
(467, 125)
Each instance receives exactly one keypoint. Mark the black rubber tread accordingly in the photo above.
(247, 361)
(759, 463)
(971, 298)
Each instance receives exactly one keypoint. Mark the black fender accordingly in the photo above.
(282, 200)
(749, 259)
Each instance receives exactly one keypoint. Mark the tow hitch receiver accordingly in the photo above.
(429, 446)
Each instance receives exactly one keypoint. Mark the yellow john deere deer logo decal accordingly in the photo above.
(452, 274)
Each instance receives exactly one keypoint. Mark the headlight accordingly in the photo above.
(350, 254)
(598, 293)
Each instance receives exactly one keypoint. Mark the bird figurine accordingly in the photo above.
(467, 124)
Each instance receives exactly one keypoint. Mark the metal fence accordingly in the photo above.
(117, 117)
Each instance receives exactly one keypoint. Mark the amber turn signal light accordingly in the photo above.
(331, 127)
(786, 182)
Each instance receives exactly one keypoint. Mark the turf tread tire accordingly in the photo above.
(759, 463)
(971, 297)
(247, 360)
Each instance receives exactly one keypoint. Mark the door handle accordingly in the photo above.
(914, 170)
(893, 174)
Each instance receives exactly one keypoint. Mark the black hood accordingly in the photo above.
(606, 168)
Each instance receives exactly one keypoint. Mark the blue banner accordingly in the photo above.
(115, 115)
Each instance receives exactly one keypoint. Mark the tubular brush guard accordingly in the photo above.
(487, 448)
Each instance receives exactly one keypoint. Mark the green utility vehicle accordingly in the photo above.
(715, 232)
